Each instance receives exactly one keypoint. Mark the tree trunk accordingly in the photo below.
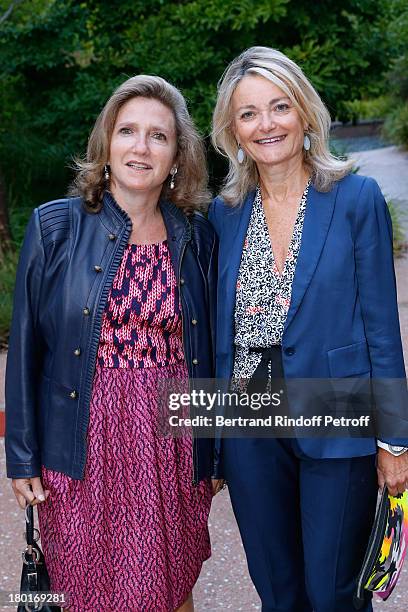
(5, 234)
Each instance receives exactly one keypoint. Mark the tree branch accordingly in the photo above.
(10, 9)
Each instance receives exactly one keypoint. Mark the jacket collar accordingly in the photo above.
(177, 224)
(237, 222)
(113, 216)
(178, 227)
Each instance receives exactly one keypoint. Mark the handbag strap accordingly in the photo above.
(29, 516)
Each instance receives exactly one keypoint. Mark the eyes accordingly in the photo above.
(280, 108)
(156, 135)
(247, 115)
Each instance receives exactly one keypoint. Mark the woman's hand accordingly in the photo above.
(29, 490)
(392, 471)
(217, 485)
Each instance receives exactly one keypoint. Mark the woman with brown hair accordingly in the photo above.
(114, 296)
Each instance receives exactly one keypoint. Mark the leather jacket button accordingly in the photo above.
(77, 352)
(194, 321)
(182, 281)
(73, 395)
(112, 237)
(290, 351)
(97, 268)
(86, 311)
(195, 361)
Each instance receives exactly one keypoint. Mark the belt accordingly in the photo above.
(269, 367)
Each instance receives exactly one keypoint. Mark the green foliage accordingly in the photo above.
(398, 77)
(372, 108)
(397, 28)
(61, 59)
(397, 217)
(342, 48)
(8, 264)
(396, 124)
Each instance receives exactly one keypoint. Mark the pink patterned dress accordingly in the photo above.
(132, 536)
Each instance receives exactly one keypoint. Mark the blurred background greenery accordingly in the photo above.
(60, 60)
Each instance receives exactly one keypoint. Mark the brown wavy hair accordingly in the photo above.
(190, 191)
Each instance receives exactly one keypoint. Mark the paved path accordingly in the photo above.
(389, 166)
(224, 583)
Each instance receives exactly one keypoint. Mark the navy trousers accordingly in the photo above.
(304, 522)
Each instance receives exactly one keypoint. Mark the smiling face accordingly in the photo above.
(143, 147)
(266, 123)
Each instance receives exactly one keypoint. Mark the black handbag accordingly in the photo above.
(35, 581)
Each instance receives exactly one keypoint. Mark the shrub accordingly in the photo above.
(396, 125)
(397, 215)
(8, 265)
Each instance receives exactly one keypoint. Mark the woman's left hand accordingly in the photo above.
(217, 485)
(392, 471)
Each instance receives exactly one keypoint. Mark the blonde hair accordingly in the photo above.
(190, 191)
(288, 76)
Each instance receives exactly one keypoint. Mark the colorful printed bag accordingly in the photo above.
(386, 549)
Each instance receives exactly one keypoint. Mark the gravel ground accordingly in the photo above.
(224, 583)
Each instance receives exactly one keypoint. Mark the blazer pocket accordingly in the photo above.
(350, 360)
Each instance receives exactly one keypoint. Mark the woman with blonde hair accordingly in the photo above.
(114, 297)
(306, 290)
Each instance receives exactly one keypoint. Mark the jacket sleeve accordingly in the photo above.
(212, 305)
(378, 298)
(212, 293)
(214, 219)
(24, 359)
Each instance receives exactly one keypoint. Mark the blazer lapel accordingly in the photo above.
(236, 224)
(236, 228)
(318, 216)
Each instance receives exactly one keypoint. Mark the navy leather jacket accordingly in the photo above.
(67, 264)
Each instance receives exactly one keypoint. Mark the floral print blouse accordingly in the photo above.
(263, 295)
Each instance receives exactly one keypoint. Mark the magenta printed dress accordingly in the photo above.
(132, 536)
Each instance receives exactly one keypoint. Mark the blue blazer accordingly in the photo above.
(343, 318)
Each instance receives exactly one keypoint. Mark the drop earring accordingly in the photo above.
(173, 174)
(106, 172)
(240, 155)
(306, 142)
